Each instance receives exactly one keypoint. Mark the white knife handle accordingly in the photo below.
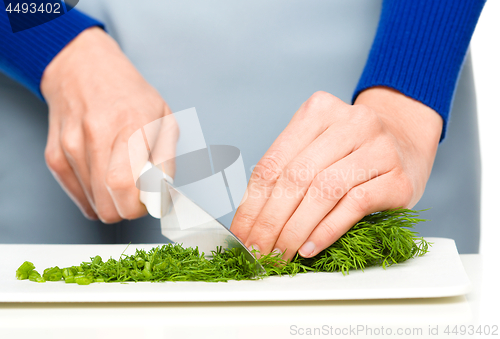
(152, 200)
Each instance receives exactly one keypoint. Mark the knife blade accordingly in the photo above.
(183, 221)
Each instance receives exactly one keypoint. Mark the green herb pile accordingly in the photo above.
(380, 239)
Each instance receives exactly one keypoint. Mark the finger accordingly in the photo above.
(326, 190)
(381, 193)
(161, 139)
(72, 142)
(292, 186)
(120, 181)
(64, 174)
(287, 146)
(98, 155)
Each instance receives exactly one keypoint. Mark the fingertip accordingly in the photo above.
(86, 208)
(136, 213)
(110, 220)
(308, 250)
(91, 216)
(255, 249)
(108, 214)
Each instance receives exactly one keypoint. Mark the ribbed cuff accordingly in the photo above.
(419, 50)
(25, 55)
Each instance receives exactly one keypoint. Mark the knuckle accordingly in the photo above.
(91, 127)
(266, 225)
(243, 219)
(321, 98)
(70, 144)
(330, 189)
(117, 180)
(394, 160)
(291, 235)
(299, 173)
(390, 157)
(56, 161)
(319, 101)
(360, 201)
(268, 170)
(329, 228)
(407, 189)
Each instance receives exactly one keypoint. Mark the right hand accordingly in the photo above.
(96, 100)
(335, 163)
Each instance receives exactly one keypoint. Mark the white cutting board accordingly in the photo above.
(439, 273)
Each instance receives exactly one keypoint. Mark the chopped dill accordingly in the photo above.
(380, 239)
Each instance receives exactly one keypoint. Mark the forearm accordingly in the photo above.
(25, 55)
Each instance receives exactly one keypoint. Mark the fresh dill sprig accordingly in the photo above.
(380, 239)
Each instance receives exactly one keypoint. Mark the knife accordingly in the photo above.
(184, 222)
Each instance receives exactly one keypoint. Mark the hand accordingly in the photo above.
(97, 99)
(332, 165)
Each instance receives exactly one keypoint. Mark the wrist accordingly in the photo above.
(72, 59)
(401, 111)
(414, 124)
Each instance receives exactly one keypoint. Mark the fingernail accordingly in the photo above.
(256, 249)
(277, 252)
(307, 249)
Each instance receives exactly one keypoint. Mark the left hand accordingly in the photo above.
(97, 99)
(332, 165)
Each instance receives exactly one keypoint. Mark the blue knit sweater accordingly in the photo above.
(418, 50)
(25, 54)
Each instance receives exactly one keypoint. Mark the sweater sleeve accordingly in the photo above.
(419, 49)
(24, 55)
